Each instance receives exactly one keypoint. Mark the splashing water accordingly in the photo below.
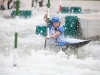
(33, 60)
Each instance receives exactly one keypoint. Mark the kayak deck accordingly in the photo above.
(76, 43)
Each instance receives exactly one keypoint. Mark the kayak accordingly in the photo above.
(76, 43)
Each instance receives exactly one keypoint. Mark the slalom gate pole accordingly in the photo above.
(48, 21)
(16, 32)
(60, 9)
(37, 5)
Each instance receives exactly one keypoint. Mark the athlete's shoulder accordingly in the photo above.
(61, 28)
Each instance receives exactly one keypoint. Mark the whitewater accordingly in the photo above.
(33, 60)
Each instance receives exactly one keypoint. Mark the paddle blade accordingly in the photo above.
(44, 45)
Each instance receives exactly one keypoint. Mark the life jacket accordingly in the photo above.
(60, 37)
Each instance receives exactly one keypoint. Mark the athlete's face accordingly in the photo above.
(56, 24)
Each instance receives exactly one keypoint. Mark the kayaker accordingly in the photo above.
(56, 29)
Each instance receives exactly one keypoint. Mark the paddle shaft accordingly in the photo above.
(45, 45)
(48, 22)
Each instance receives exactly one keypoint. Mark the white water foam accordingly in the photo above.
(33, 60)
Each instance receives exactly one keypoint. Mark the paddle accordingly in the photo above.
(48, 22)
(45, 45)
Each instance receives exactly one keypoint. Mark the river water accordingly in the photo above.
(33, 60)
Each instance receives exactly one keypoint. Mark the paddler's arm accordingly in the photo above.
(54, 35)
(45, 18)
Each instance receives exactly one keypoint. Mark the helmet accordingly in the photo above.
(56, 19)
